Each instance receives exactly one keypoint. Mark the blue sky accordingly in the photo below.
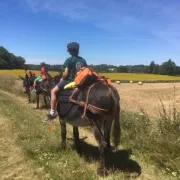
(109, 31)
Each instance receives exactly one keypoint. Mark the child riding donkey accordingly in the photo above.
(43, 75)
(71, 66)
(28, 81)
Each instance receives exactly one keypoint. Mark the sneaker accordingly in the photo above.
(50, 117)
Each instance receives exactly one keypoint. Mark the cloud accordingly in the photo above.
(150, 19)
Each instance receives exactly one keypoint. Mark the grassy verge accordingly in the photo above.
(11, 84)
(154, 142)
(40, 143)
(157, 142)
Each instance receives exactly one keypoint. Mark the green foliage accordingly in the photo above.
(123, 69)
(103, 68)
(157, 141)
(168, 68)
(9, 60)
(55, 67)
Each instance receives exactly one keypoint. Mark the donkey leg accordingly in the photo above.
(102, 148)
(63, 134)
(37, 100)
(76, 140)
(29, 95)
(107, 137)
(107, 131)
(45, 101)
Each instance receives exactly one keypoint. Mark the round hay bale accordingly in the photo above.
(140, 83)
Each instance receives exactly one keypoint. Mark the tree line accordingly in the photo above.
(166, 68)
(10, 61)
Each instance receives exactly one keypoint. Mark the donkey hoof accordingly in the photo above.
(79, 151)
(102, 172)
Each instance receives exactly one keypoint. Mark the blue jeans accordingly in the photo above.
(61, 84)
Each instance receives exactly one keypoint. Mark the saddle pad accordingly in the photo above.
(64, 106)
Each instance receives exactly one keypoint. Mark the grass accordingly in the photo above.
(157, 142)
(40, 143)
(154, 144)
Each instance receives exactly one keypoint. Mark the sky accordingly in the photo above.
(117, 32)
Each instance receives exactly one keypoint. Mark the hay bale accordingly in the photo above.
(140, 83)
(118, 82)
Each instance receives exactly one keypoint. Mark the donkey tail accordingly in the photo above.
(116, 125)
(116, 128)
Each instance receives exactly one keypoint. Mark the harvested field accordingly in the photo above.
(147, 97)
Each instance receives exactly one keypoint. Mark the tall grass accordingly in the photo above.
(10, 84)
(156, 142)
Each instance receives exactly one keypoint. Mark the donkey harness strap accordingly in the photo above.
(93, 109)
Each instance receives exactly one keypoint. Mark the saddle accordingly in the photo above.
(68, 97)
(63, 101)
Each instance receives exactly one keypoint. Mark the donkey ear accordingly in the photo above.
(21, 77)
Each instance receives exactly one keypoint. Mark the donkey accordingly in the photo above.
(42, 87)
(96, 106)
(27, 86)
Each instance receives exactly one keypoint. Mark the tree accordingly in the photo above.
(168, 68)
(20, 61)
(156, 69)
(122, 69)
(151, 67)
(9, 60)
